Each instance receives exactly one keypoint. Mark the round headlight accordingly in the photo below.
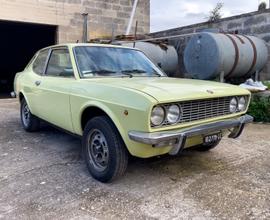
(242, 103)
(233, 105)
(173, 114)
(157, 116)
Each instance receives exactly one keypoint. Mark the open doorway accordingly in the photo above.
(18, 43)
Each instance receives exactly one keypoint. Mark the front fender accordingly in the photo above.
(135, 119)
(105, 109)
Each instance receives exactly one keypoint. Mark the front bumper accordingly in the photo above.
(178, 138)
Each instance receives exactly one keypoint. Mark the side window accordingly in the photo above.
(60, 64)
(40, 61)
(31, 61)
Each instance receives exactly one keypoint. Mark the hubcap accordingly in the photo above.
(98, 150)
(25, 115)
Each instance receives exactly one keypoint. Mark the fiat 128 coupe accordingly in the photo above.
(121, 104)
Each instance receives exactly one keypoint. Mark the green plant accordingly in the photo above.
(260, 109)
(215, 15)
(267, 83)
(262, 6)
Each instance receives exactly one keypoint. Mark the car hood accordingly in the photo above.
(165, 89)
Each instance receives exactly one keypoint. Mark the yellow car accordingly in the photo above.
(121, 104)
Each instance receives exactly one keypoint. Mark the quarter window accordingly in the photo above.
(60, 64)
(40, 61)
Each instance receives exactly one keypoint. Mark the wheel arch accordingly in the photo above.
(97, 109)
(89, 113)
(21, 96)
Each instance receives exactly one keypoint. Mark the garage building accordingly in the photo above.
(28, 25)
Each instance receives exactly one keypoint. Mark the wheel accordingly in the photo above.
(104, 150)
(207, 147)
(30, 122)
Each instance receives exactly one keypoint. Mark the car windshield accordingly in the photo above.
(96, 61)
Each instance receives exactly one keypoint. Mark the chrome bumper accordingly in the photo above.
(178, 138)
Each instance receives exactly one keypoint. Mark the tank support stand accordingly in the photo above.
(256, 76)
(221, 76)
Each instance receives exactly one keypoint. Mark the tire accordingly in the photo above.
(30, 122)
(207, 147)
(104, 151)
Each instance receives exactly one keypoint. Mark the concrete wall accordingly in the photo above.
(255, 23)
(66, 14)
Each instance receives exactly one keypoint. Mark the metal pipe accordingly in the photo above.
(112, 39)
(132, 16)
(135, 34)
(164, 38)
(85, 28)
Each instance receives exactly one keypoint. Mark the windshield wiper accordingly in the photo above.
(101, 71)
(133, 71)
(127, 74)
(157, 74)
(139, 71)
(123, 72)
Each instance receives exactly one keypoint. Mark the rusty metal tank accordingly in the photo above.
(165, 56)
(238, 56)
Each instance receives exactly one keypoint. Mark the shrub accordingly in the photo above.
(267, 83)
(260, 109)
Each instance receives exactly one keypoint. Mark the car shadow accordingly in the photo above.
(189, 162)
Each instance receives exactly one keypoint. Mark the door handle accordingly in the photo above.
(38, 83)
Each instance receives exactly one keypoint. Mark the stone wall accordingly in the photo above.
(66, 14)
(254, 23)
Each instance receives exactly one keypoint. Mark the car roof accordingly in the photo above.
(87, 45)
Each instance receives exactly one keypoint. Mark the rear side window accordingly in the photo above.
(40, 61)
(31, 61)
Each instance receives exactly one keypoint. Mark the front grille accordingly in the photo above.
(204, 109)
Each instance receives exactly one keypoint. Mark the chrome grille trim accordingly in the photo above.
(202, 109)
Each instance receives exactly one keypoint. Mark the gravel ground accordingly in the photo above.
(42, 176)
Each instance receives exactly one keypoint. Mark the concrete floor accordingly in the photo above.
(42, 176)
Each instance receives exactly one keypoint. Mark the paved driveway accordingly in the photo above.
(43, 177)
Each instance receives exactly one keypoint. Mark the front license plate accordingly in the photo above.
(209, 139)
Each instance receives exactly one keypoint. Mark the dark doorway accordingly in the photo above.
(18, 43)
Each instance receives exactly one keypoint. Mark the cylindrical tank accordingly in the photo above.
(238, 56)
(165, 56)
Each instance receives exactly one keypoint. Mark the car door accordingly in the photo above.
(54, 89)
(30, 84)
